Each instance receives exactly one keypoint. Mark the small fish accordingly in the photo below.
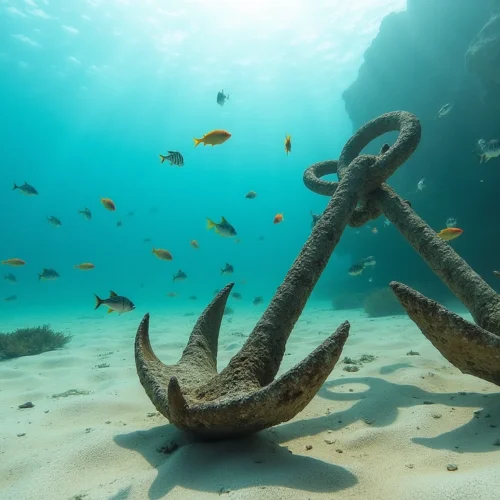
(223, 228)
(108, 204)
(261, 238)
(130, 214)
(174, 158)
(180, 276)
(146, 240)
(278, 218)
(194, 244)
(171, 294)
(85, 266)
(368, 261)
(54, 221)
(251, 195)
(356, 269)
(86, 213)
(497, 273)
(221, 97)
(451, 222)
(193, 297)
(450, 233)
(119, 223)
(489, 150)
(13, 262)
(237, 296)
(384, 149)
(374, 230)
(288, 144)
(237, 240)
(315, 218)
(387, 222)
(26, 189)
(48, 275)
(10, 278)
(370, 280)
(444, 110)
(257, 301)
(162, 254)
(421, 184)
(10, 298)
(116, 303)
(213, 138)
(228, 269)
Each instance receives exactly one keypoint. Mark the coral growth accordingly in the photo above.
(30, 341)
(382, 303)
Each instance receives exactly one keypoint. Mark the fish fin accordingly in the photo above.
(222, 271)
(487, 159)
(110, 311)
(113, 294)
(39, 276)
(15, 186)
(172, 152)
(196, 141)
(162, 158)
(223, 220)
(98, 301)
(227, 97)
(153, 251)
(210, 224)
(173, 279)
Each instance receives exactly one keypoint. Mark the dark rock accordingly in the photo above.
(29, 404)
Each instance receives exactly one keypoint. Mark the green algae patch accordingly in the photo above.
(31, 341)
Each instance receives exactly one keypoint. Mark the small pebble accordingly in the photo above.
(29, 404)
(46, 411)
(107, 422)
(436, 415)
(427, 402)
(309, 447)
(452, 467)
(329, 441)
(409, 466)
(338, 450)
(21, 435)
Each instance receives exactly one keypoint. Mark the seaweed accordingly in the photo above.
(382, 302)
(31, 341)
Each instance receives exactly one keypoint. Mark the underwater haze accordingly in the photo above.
(93, 91)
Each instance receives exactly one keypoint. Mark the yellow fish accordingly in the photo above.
(213, 138)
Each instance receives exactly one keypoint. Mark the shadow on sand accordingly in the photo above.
(380, 402)
(223, 466)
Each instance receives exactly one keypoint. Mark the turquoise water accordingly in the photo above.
(93, 93)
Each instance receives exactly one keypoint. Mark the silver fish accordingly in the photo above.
(48, 274)
(86, 213)
(10, 277)
(221, 98)
(228, 269)
(54, 221)
(180, 276)
(223, 228)
(26, 189)
(115, 302)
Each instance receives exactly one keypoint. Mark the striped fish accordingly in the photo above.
(174, 157)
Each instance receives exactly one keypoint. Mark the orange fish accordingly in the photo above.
(194, 244)
(108, 203)
(213, 138)
(450, 233)
(288, 144)
(162, 254)
(85, 266)
(14, 262)
(278, 218)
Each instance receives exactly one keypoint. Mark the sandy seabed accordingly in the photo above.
(388, 431)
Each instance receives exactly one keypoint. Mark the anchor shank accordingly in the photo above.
(265, 347)
(479, 298)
